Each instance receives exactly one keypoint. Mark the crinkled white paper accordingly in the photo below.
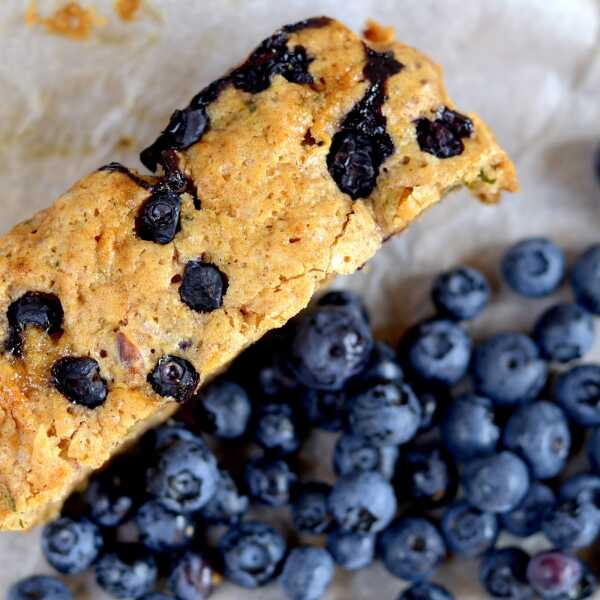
(531, 68)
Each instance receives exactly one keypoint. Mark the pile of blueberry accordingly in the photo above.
(439, 447)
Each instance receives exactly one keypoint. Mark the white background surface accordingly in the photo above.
(530, 68)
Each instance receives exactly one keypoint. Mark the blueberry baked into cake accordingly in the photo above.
(130, 291)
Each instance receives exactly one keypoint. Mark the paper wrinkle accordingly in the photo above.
(531, 68)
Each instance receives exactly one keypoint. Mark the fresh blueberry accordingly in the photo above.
(527, 518)
(174, 377)
(469, 428)
(78, 378)
(461, 293)
(585, 280)
(540, 434)
(307, 573)
(39, 587)
(269, 480)
(426, 591)
(351, 551)
(564, 332)
(382, 367)
(227, 505)
(344, 298)
(412, 548)
(223, 409)
(555, 574)
(503, 574)
(71, 546)
(191, 577)
(330, 345)
(323, 409)
(129, 572)
(160, 438)
(437, 351)
(185, 477)
(203, 286)
(38, 309)
(534, 267)
(354, 454)
(112, 495)
(386, 414)
(573, 523)
(577, 391)
(158, 217)
(161, 530)
(362, 503)
(426, 476)
(310, 511)
(468, 531)
(277, 428)
(496, 483)
(507, 368)
(251, 553)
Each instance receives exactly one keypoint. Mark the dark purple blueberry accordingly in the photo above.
(307, 573)
(203, 286)
(185, 477)
(269, 480)
(503, 574)
(39, 587)
(127, 573)
(427, 476)
(191, 577)
(252, 553)
(310, 511)
(158, 217)
(38, 309)
(78, 378)
(577, 391)
(161, 530)
(71, 545)
(174, 377)
(554, 574)
(412, 548)
(353, 163)
(227, 505)
(382, 367)
(443, 136)
(330, 345)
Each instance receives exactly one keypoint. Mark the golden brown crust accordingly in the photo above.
(271, 218)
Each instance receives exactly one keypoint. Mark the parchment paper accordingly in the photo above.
(531, 68)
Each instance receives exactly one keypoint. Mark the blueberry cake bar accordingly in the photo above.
(130, 291)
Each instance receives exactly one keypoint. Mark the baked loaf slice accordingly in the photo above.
(130, 291)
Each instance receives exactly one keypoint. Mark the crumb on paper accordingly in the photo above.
(378, 34)
(71, 20)
(127, 9)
